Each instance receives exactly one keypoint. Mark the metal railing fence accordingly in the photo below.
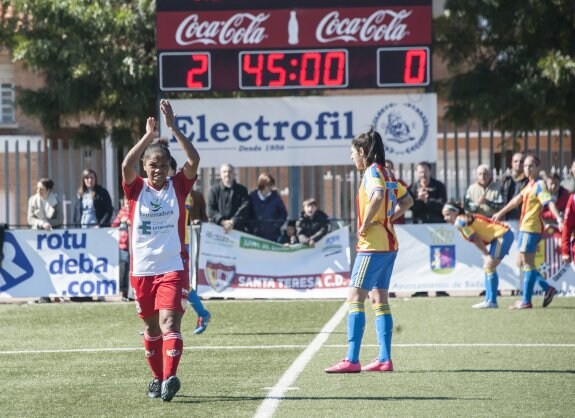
(460, 151)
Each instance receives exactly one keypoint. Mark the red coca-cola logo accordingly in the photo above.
(386, 25)
(240, 28)
(306, 28)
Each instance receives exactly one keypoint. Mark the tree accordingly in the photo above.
(97, 59)
(512, 62)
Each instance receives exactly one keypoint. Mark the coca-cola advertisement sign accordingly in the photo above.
(280, 28)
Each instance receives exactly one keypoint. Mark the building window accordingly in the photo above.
(7, 113)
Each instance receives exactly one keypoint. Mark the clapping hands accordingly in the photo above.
(168, 112)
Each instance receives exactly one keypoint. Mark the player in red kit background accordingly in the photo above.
(568, 231)
(159, 259)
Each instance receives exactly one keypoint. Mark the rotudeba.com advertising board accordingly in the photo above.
(61, 262)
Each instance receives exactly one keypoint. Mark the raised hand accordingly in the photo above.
(150, 124)
(168, 113)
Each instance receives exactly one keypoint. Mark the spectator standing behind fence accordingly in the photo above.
(389, 166)
(429, 196)
(559, 195)
(568, 231)
(312, 224)
(93, 207)
(122, 222)
(513, 183)
(533, 198)
(569, 182)
(196, 207)
(482, 232)
(45, 207)
(379, 199)
(483, 197)
(45, 212)
(267, 210)
(159, 274)
(289, 234)
(228, 202)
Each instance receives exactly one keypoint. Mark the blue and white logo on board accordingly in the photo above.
(403, 127)
(442, 258)
(16, 268)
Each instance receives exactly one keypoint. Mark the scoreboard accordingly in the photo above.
(233, 45)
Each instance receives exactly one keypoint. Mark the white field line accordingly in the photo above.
(289, 346)
(275, 395)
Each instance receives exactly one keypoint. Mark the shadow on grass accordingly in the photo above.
(208, 399)
(489, 371)
(279, 333)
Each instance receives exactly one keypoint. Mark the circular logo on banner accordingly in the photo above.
(403, 127)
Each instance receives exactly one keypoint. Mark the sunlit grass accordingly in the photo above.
(227, 372)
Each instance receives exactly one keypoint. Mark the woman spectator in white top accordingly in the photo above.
(45, 207)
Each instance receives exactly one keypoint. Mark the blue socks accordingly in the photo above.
(355, 327)
(487, 287)
(532, 277)
(491, 286)
(196, 303)
(384, 329)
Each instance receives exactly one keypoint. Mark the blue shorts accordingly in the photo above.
(372, 270)
(527, 242)
(500, 247)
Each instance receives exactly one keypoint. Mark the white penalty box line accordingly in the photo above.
(294, 347)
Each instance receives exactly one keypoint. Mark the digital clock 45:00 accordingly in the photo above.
(291, 69)
(295, 69)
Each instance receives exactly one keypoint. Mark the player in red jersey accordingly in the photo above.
(568, 231)
(159, 259)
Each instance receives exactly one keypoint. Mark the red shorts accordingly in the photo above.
(167, 291)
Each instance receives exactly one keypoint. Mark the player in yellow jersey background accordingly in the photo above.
(533, 197)
(482, 232)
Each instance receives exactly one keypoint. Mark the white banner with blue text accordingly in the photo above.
(66, 262)
(432, 257)
(304, 131)
(435, 257)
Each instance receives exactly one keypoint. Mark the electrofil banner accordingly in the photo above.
(304, 131)
(239, 265)
(67, 262)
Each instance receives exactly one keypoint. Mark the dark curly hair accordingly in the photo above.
(159, 146)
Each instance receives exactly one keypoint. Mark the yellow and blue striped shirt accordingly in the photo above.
(487, 230)
(381, 236)
(535, 197)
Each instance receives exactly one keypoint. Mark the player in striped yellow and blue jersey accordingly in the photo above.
(380, 199)
(533, 198)
(482, 232)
